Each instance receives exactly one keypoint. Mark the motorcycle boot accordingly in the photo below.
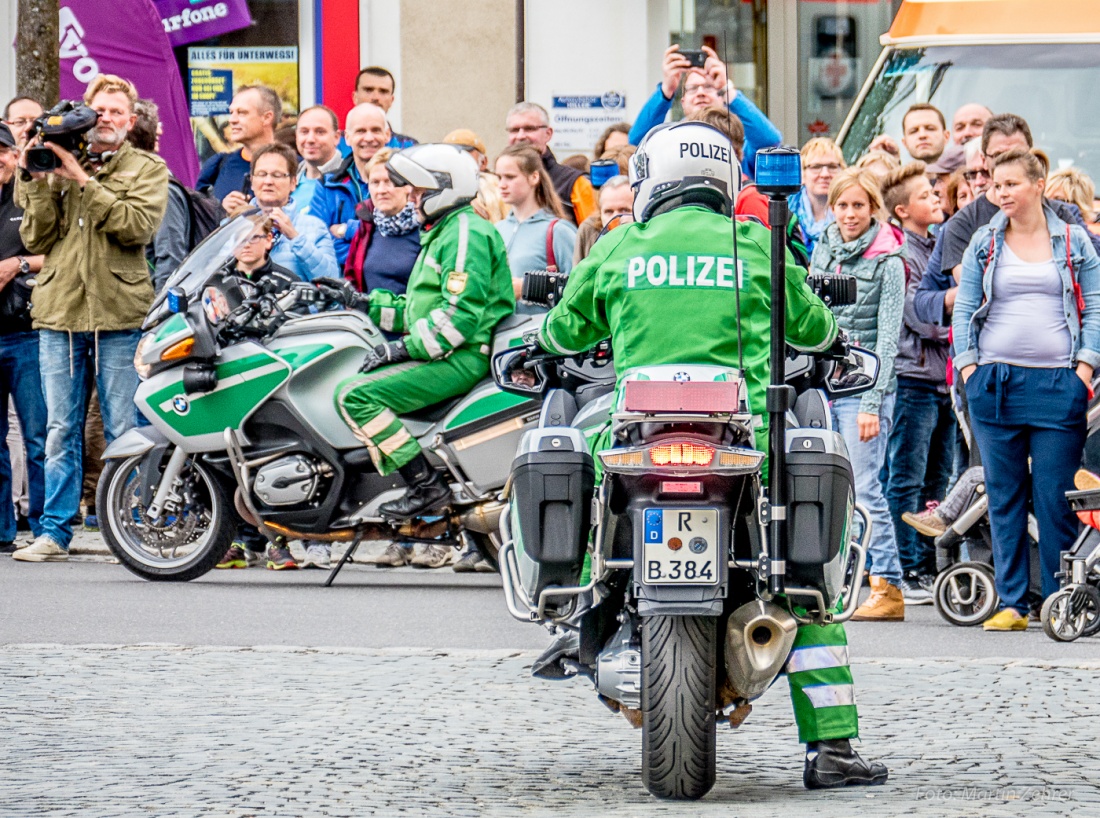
(834, 763)
(428, 490)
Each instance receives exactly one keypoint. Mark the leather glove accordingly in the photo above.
(384, 355)
(839, 349)
(339, 290)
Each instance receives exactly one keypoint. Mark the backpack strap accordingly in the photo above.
(551, 261)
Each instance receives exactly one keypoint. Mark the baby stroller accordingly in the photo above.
(1073, 610)
(964, 592)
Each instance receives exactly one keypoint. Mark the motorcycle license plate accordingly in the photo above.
(680, 546)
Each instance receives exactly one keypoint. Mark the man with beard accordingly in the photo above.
(91, 218)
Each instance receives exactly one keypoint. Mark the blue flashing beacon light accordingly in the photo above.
(778, 171)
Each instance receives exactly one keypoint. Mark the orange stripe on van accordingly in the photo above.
(989, 18)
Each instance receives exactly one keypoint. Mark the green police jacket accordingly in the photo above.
(665, 291)
(459, 289)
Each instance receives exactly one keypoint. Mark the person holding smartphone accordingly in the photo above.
(705, 82)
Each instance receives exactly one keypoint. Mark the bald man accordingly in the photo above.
(968, 122)
(338, 193)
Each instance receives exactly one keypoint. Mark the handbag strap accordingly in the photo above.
(551, 261)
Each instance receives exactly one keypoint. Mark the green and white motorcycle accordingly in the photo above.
(237, 385)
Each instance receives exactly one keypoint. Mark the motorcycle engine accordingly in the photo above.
(289, 481)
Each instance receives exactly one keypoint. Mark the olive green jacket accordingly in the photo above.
(94, 277)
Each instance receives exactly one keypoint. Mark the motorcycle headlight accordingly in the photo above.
(143, 369)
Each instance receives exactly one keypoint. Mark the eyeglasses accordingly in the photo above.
(695, 89)
(818, 167)
(257, 239)
(18, 123)
(971, 175)
(263, 174)
(525, 129)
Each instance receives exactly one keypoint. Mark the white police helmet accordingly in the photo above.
(681, 164)
(447, 172)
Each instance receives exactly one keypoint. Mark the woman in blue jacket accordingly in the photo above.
(1026, 328)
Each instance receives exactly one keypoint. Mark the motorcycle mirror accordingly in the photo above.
(511, 377)
(854, 374)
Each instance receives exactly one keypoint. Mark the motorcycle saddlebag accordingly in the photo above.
(552, 482)
(820, 496)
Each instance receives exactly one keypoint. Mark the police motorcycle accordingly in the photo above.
(238, 384)
(665, 577)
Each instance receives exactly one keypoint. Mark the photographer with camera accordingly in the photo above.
(19, 383)
(91, 216)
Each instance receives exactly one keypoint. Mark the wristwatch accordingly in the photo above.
(24, 265)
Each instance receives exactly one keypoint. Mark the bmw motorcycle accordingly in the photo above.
(238, 385)
(657, 574)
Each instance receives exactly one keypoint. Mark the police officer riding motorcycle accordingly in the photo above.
(679, 298)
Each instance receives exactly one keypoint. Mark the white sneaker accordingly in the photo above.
(433, 556)
(43, 549)
(318, 555)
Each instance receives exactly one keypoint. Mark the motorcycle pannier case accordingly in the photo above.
(552, 482)
(821, 495)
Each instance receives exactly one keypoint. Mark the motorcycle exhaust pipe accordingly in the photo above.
(759, 638)
(482, 519)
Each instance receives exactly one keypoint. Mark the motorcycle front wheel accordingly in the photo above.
(678, 705)
(186, 542)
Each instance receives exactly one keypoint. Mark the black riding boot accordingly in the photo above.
(427, 489)
(835, 764)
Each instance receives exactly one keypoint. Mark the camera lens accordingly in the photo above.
(42, 159)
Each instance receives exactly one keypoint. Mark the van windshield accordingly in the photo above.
(1052, 86)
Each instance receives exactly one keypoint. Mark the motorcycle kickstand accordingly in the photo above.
(347, 556)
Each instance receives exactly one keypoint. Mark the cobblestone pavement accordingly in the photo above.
(165, 731)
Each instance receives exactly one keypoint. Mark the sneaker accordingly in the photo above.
(279, 558)
(1085, 480)
(234, 558)
(43, 549)
(1007, 620)
(927, 582)
(928, 522)
(433, 556)
(912, 592)
(467, 563)
(318, 555)
(91, 523)
(396, 555)
(885, 604)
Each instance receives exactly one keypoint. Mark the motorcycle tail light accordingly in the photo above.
(180, 349)
(681, 454)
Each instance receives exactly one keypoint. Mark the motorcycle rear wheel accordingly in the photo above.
(189, 543)
(678, 705)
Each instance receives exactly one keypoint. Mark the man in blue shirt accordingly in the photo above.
(705, 86)
(254, 114)
(376, 85)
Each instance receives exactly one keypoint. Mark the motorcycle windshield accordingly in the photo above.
(213, 254)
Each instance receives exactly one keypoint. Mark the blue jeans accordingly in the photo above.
(922, 455)
(21, 382)
(867, 459)
(69, 362)
(1018, 412)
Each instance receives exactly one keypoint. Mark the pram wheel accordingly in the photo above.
(1072, 612)
(965, 594)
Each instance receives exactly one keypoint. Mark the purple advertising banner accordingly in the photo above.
(188, 21)
(91, 44)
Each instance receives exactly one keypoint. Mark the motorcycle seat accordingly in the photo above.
(434, 413)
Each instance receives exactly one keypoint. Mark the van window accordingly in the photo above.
(1052, 86)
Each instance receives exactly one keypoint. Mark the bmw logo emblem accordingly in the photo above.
(181, 405)
(681, 377)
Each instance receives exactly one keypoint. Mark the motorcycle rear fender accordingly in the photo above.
(138, 440)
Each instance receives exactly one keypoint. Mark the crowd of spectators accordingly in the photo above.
(948, 224)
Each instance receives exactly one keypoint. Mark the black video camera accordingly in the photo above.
(66, 125)
(543, 287)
